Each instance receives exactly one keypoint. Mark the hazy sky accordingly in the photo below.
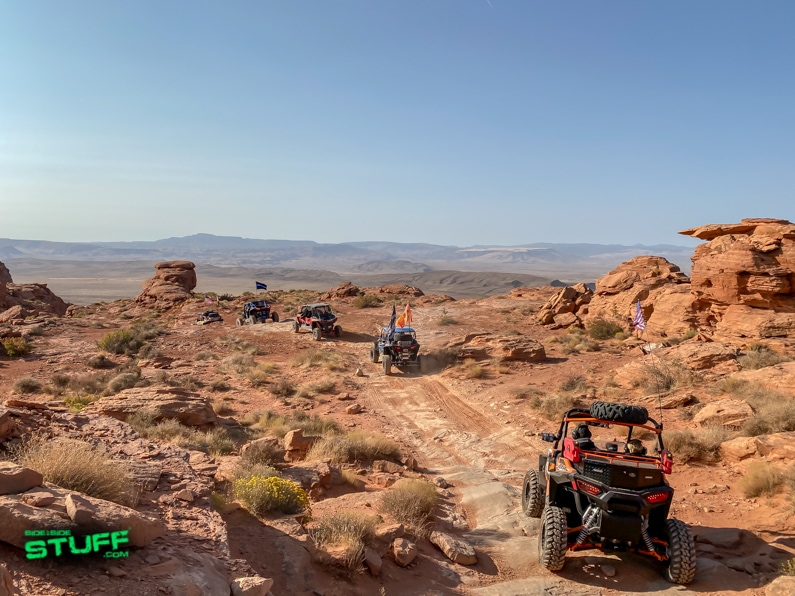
(453, 122)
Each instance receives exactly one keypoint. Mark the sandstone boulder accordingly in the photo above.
(403, 551)
(30, 300)
(173, 282)
(725, 412)
(779, 377)
(776, 446)
(296, 445)
(700, 356)
(738, 449)
(5, 275)
(566, 300)
(251, 586)
(8, 428)
(742, 278)
(17, 479)
(455, 548)
(487, 345)
(344, 290)
(187, 407)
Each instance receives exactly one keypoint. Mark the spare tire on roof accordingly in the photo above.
(605, 410)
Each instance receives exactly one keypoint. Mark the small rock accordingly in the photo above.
(353, 409)
(411, 463)
(80, 510)
(608, 570)
(440, 482)
(16, 479)
(116, 571)
(344, 396)
(152, 559)
(403, 551)
(38, 499)
(373, 561)
(185, 494)
(359, 372)
(456, 549)
(251, 586)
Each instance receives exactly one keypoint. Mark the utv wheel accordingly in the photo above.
(605, 410)
(372, 354)
(552, 539)
(239, 322)
(275, 317)
(376, 355)
(387, 364)
(337, 330)
(296, 326)
(317, 334)
(681, 553)
(532, 495)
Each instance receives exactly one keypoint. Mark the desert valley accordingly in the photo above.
(258, 458)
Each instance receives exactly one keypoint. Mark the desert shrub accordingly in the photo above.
(773, 411)
(219, 385)
(573, 383)
(324, 386)
(239, 363)
(27, 385)
(661, 376)
(205, 355)
(501, 365)
(79, 466)
(76, 403)
(474, 371)
(226, 297)
(35, 331)
(703, 445)
(603, 329)
(350, 530)
(130, 340)
(574, 342)
(59, 383)
(122, 382)
(283, 388)
(259, 495)
(100, 361)
(526, 392)
(677, 340)
(366, 301)
(262, 453)
(222, 407)
(214, 442)
(353, 447)
(410, 501)
(758, 356)
(761, 478)
(350, 478)
(15, 347)
(553, 407)
(446, 320)
(788, 567)
(310, 425)
(260, 374)
(315, 357)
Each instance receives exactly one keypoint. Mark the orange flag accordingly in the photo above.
(405, 319)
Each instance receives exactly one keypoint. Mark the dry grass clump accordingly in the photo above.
(357, 446)
(219, 385)
(446, 320)
(552, 407)
(214, 442)
(410, 501)
(261, 374)
(761, 478)
(773, 411)
(703, 445)
(130, 340)
(474, 371)
(574, 383)
(311, 389)
(601, 328)
(79, 466)
(15, 347)
(366, 301)
(283, 388)
(205, 355)
(501, 365)
(279, 426)
(575, 341)
(313, 357)
(526, 392)
(260, 494)
(121, 382)
(759, 356)
(349, 531)
(222, 407)
(661, 376)
(26, 386)
(239, 363)
(100, 361)
(260, 453)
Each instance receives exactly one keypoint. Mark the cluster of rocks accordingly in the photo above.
(398, 291)
(19, 301)
(565, 308)
(174, 281)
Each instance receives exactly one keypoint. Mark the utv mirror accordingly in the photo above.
(549, 437)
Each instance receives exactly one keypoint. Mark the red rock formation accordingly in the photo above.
(173, 281)
(5, 278)
(658, 284)
(743, 279)
(569, 300)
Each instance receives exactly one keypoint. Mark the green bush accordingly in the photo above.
(16, 347)
(603, 329)
(261, 494)
(366, 301)
(130, 340)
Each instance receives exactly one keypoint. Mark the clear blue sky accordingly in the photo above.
(453, 122)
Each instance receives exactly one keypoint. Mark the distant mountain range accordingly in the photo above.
(577, 262)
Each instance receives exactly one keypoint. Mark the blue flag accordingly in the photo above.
(261, 286)
(391, 328)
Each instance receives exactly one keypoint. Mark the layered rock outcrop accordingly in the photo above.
(743, 278)
(658, 284)
(173, 282)
(571, 300)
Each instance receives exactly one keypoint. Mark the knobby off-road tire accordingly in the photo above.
(239, 322)
(296, 326)
(532, 494)
(552, 539)
(681, 553)
(605, 410)
(337, 330)
(375, 355)
(317, 334)
(387, 364)
(275, 317)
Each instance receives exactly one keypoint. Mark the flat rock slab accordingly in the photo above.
(456, 549)
(189, 408)
(17, 479)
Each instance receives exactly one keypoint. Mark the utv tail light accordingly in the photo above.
(657, 497)
(586, 487)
